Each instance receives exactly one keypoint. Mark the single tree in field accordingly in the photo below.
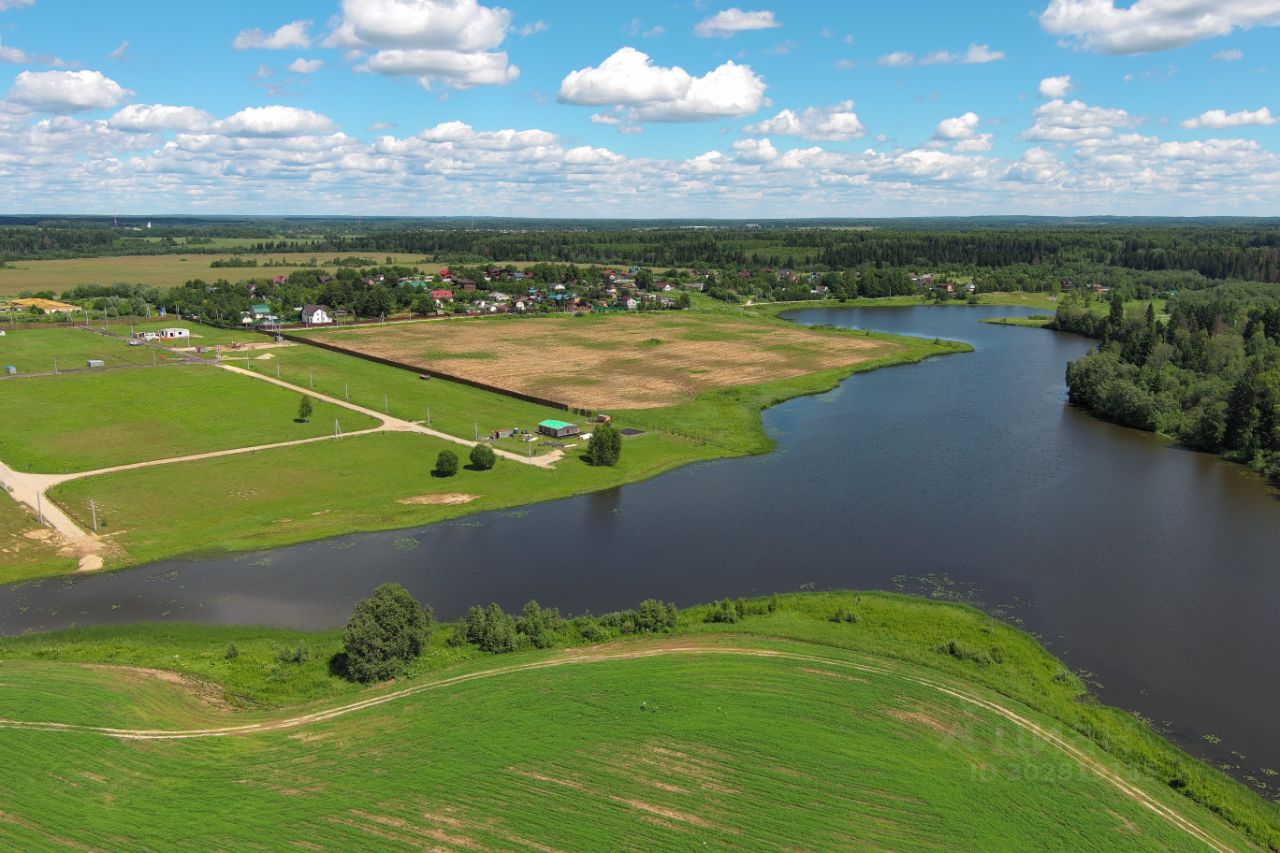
(605, 446)
(304, 409)
(482, 457)
(385, 633)
(446, 464)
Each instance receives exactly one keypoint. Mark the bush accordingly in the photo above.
(446, 464)
(482, 457)
(844, 615)
(539, 625)
(490, 629)
(232, 652)
(300, 654)
(723, 612)
(959, 651)
(385, 634)
(605, 446)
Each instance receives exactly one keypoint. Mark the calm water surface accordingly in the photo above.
(1155, 568)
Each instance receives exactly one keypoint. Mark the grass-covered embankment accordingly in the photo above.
(783, 728)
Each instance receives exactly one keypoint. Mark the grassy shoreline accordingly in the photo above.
(316, 502)
(916, 633)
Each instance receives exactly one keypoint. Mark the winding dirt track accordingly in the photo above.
(1081, 757)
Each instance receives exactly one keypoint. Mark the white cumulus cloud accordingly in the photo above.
(66, 91)
(961, 133)
(274, 121)
(446, 42)
(292, 36)
(1150, 25)
(834, 123)
(1056, 87)
(145, 118)
(1222, 118)
(732, 21)
(629, 78)
(1073, 121)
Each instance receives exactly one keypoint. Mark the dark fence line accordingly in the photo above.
(435, 374)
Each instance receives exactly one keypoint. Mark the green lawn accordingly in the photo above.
(456, 409)
(716, 737)
(78, 422)
(24, 556)
(34, 350)
(294, 494)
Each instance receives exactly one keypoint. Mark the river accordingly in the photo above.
(1154, 568)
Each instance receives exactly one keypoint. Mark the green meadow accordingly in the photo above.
(381, 481)
(83, 421)
(35, 350)
(784, 730)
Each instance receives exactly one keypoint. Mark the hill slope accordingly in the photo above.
(731, 740)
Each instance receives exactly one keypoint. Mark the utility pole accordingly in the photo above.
(93, 511)
(428, 417)
(337, 427)
(346, 390)
(39, 508)
(476, 424)
(386, 406)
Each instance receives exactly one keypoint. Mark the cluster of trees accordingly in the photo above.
(389, 631)
(604, 448)
(482, 458)
(1209, 377)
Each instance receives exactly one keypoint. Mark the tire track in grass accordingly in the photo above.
(1076, 754)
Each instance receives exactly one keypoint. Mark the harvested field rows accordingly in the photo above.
(614, 362)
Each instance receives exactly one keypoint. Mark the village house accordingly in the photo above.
(558, 429)
(317, 315)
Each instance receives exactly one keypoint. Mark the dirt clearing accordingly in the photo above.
(451, 499)
(614, 361)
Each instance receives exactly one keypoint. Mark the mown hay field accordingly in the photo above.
(614, 361)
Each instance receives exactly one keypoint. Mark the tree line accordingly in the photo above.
(1208, 377)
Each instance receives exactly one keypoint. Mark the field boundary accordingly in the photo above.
(434, 374)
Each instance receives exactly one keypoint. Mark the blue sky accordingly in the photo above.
(436, 107)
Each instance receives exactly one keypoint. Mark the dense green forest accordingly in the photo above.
(1209, 376)
(1247, 250)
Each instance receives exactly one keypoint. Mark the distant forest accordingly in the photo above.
(1216, 249)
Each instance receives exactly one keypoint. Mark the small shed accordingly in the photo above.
(10, 369)
(97, 362)
(557, 429)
